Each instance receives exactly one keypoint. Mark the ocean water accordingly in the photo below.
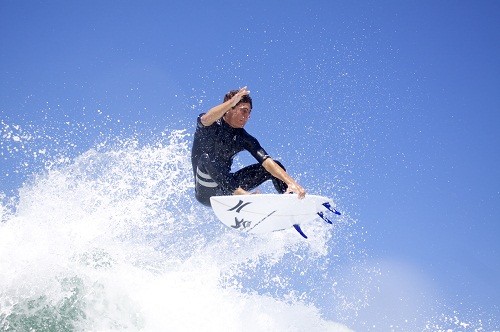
(109, 238)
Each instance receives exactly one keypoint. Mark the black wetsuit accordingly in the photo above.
(214, 148)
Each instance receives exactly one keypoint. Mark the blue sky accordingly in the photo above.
(392, 107)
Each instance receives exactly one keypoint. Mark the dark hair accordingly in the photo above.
(244, 99)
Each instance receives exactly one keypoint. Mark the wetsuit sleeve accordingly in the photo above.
(261, 155)
(198, 121)
(253, 146)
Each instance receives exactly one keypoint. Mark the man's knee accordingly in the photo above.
(205, 157)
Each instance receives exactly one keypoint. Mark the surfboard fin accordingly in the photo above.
(297, 227)
(324, 218)
(329, 207)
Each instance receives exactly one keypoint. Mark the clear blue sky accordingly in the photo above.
(394, 105)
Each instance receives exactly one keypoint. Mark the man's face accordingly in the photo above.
(238, 116)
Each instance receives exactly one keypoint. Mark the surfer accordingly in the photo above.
(219, 136)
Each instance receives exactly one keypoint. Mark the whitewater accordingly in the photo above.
(111, 240)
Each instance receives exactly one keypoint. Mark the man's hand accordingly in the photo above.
(237, 97)
(296, 189)
(293, 187)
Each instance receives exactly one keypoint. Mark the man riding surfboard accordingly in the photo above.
(219, 136)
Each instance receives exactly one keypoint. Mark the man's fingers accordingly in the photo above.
(243, 91)
(296, 189)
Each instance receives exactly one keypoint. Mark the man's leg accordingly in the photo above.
(252, 176)
(210, 175)
(203, 193)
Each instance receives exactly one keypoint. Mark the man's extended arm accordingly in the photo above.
(218, 111)
(272, 167)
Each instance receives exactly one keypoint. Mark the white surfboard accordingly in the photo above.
(264, 213)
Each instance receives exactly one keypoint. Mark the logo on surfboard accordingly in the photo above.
(239, 206)
(241, 223)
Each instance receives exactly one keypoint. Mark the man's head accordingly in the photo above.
(238, 116)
